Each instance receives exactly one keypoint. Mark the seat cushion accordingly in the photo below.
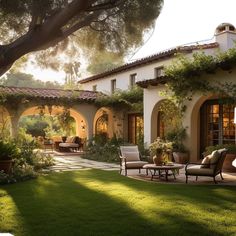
(197, 170)
(131, 156)
(69, 145)
(135, 164)
(206, 162)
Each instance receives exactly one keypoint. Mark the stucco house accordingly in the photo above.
(208, 121)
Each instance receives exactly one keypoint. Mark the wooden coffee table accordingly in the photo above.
(161, 168)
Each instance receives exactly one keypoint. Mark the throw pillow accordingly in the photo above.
(206, 162)
(215, 155)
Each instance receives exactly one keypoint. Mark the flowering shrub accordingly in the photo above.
(160, 146)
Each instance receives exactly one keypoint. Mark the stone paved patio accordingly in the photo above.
(229, 178)
(73, 161)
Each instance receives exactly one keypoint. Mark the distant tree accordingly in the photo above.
(19, 79)
(104, 61)
(33, 25)
(72, 73)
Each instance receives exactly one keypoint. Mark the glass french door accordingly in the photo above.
(217, 123)
(135, 128)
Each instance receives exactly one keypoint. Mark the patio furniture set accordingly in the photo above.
(211, 165)
(73, 143)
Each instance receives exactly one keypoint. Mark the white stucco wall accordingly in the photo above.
(123, 78)
(191, 119)
(152, 96)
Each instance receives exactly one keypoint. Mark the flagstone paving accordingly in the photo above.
(74, 161)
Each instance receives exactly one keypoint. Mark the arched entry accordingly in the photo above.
(101, 126)
(81, 123)
(211, 123)
(165, 117)
(103, 122)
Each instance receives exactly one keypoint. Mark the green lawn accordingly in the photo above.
(96, 202)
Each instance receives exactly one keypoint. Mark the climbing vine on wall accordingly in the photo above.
(131, 99)
(185, 75)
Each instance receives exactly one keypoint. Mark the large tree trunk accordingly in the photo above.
(43, 36)
(32, 41)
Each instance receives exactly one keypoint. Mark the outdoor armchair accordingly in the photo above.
(130, 158)
(211, 166)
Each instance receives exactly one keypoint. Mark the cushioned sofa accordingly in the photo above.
(72, 143)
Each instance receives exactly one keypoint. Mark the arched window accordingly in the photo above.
(101, 126)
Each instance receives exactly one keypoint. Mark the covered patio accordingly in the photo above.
(17, 102)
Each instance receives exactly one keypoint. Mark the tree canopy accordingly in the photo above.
(18, 79)
(31, 25)
(104, 61)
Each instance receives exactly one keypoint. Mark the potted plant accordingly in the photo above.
(160, 151)
(177, 137)
(8, 151)
(230, 159)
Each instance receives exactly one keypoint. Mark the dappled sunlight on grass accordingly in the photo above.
(157, 206)
(96, 202)
(9, 213)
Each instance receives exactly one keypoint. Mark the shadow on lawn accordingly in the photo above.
(60, 204)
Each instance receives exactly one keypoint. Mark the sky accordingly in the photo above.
(180, 22)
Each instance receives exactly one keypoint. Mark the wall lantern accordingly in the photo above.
(82, 125)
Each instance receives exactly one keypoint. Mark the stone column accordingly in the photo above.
(14, 117)
(118, 119)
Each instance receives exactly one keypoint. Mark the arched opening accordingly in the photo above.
(212, 123)
(101, 126)
(58, 120)
(104, 122)
(165, 118)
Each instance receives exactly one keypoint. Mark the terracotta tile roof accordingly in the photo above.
(147, 60)
(80, 95)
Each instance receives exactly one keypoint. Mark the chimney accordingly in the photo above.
(225, 35)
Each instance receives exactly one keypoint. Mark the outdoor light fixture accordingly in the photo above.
(82, 125)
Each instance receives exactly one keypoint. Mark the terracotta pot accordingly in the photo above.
(229, 165)
(158, 159)
(181, 157)
(6, 166)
